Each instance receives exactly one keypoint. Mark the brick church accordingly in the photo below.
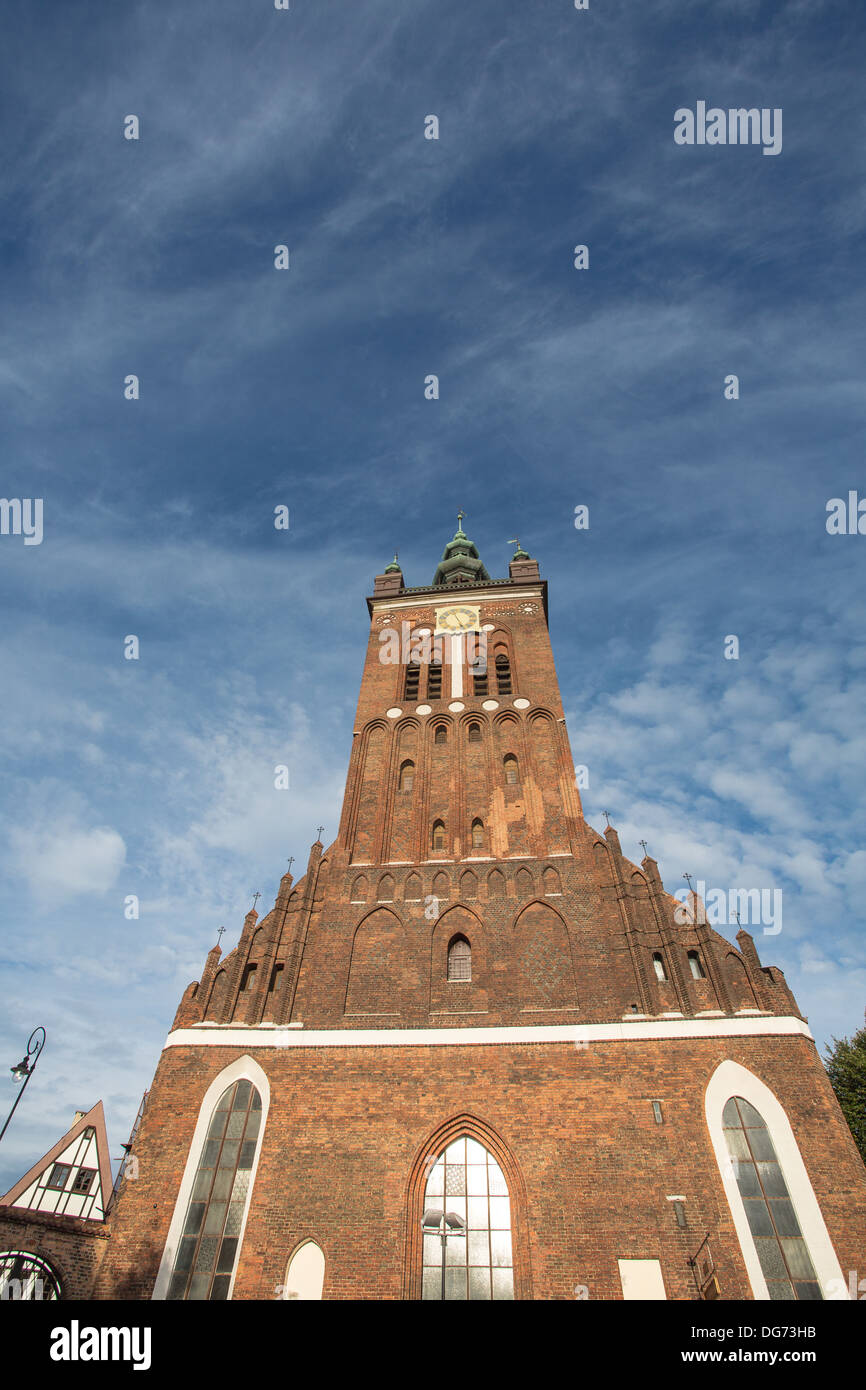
(475, 1052)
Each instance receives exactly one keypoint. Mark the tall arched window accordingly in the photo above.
(659, 966)
(413, 677)
(208, 1248)
(459, 959)
(695, 966)
(434, 678)
(503, 672)
(477, 834)
(438, 834)
(477, 1262)
(441, 735)
(474, 733)
(479, 668)
(783, 1254)
(407, 775)
(509, 762)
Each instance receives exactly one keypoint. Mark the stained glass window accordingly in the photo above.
(781, 1249)
(208, 1247)
(467, 1181)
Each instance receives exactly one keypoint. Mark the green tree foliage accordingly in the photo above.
(846, 1067)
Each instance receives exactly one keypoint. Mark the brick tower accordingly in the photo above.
(475, 1052)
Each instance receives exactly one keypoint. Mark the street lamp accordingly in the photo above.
(444, 1224)
(23, 1070)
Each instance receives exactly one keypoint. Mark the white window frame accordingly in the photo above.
(244, 1069)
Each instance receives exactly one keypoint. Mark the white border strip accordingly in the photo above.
(227, 1035)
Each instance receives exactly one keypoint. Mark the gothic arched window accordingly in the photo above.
(438, 834)
(459, 959)
(407, 776)
(27, 1278)
(208, 1248)
(305, 1275)
(509, 762)
(659, 966)
(441, 735)
(695, 966)
(477, 1263)
(474, 733)
(783, 1254)
(477, 834)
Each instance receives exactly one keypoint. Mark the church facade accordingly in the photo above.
(475, 1052)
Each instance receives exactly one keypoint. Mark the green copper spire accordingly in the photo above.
(460, 563)
(519, 554)
(394, 567)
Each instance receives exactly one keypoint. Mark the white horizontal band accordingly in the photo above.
(233, 1035)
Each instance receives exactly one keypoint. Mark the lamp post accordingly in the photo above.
(445, 1224)
(22, 1072)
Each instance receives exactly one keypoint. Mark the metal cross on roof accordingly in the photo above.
(220, 931)
(643, 842)
(319, 829)
(256, 897)
(688, 879)
(291, 861)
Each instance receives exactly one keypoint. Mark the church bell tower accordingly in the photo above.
(476, 1052)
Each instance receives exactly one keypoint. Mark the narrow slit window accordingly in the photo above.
(407, 776)
(474, 733)
(441, 734)
(510, 765)
(477, 834)
(503, 673)
(438, 834)
(434, 681)
(413, 677)
(659, 967)
(276, 979)
(695, 966)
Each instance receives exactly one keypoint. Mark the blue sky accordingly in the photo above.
(305, 388)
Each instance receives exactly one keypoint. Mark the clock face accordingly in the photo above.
(462, 617)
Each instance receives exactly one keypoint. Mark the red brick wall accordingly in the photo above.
(589, 1168)
(74, 1249)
